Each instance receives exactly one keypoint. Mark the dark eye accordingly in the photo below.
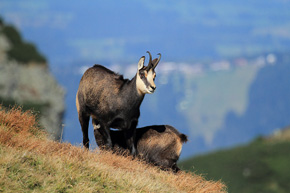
(141, 75)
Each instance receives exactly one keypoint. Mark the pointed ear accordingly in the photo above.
(141, 63)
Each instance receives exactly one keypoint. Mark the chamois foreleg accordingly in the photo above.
(130, 136)
(98, 135)
(102, 135)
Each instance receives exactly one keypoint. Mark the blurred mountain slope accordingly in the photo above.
(26, 80)
(261, 166)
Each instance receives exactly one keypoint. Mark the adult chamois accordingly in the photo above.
(158, 144)
(114, 102)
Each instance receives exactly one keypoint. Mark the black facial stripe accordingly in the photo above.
(144, 79)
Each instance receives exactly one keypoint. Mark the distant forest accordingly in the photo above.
(20, 50)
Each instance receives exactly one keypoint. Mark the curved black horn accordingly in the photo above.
(150, 61)
(154, 65)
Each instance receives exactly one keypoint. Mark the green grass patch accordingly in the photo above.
(258, 167)
(28, 172)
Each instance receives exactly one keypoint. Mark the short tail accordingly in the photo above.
(183, 138)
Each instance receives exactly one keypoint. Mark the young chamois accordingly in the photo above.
(114, 102)
(158, 144)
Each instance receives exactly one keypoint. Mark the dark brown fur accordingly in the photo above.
(159, 144)
(111, 101)
(103, 95)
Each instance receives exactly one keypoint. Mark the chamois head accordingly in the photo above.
(146, 75)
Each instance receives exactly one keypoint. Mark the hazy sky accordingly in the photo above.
(122, 31)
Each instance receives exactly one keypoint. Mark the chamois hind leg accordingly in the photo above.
(84, 118)
(102, 135)
(84, 121)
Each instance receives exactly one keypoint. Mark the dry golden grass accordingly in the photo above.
(77, 170)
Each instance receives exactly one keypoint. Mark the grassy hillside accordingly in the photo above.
(30, 162)
(262, 166)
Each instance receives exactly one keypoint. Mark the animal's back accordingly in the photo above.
(182, 137)
(165, 132)
(100, 79)
(148, 137)
(97, 86)
(152, 136)
(161, 140)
